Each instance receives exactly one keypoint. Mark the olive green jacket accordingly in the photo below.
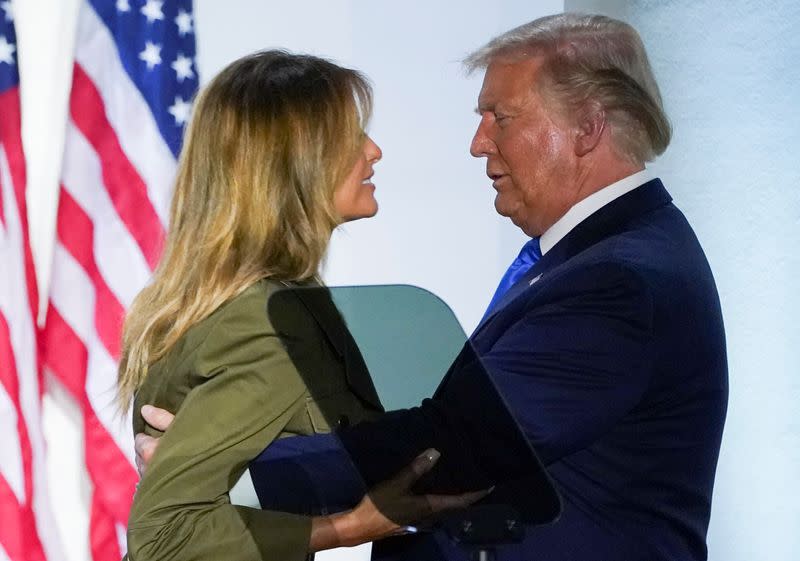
(267, 364)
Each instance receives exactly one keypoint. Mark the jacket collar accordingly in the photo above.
(318, 302)
(609, 220)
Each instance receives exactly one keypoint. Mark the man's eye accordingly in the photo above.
(501, 118)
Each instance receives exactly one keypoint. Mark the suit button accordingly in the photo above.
(343, 422)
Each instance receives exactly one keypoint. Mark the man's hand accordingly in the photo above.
(145, 445)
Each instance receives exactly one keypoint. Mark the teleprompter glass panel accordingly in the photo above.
(407, 336)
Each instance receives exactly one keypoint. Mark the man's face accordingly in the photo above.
(527, 145)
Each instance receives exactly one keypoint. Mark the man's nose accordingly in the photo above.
(481, 145)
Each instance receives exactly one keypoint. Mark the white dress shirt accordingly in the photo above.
(588, 206)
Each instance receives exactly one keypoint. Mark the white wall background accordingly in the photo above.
(436, 229)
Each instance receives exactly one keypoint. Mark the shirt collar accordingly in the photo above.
(591, 204)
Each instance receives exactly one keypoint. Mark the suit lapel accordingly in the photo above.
(319, 304)
(605, 222)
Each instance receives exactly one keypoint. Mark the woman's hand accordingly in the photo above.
(385, 511)
(388, 509)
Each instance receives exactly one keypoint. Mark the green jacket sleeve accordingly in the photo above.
(244, 390)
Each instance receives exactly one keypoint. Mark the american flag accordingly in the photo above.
(133, 80)
(27, 532)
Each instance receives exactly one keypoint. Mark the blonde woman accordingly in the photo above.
(274, 159)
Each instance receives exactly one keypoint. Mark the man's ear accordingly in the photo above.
(589, 130)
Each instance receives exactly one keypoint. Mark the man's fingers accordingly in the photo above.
(157, 418)
(145, 446)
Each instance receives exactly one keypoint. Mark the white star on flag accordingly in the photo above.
(152, 10)
(180, 110)
(8, 10)
(151, 55)
(6, 51)
(183, 67)
(123, 6)
(184, 23)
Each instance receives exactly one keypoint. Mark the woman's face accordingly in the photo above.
(355, 197)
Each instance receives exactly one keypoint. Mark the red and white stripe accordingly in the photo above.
(27, 529)
(114, 199)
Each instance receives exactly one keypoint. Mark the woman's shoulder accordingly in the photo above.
(248, 308)
(260, 316)
(255, 320)
(258, 306)
(238, 329)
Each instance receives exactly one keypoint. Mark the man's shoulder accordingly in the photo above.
(660, 242)
(655, 260)
(604, 280)
(648, 254)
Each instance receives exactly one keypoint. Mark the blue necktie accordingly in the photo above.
(527, 258)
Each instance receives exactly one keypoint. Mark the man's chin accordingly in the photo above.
(517, 220)
(508, 212)
(503, 209)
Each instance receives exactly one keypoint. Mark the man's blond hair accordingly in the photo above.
(592, 58)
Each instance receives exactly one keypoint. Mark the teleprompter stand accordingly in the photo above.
(483, 529)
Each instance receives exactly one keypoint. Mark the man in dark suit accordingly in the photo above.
(605, 337)
(610, 349)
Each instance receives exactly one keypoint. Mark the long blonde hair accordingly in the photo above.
(270, 139)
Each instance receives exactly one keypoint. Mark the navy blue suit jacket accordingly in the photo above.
(610, 353)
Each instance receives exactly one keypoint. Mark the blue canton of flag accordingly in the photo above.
(156, 45)
(9, 75)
